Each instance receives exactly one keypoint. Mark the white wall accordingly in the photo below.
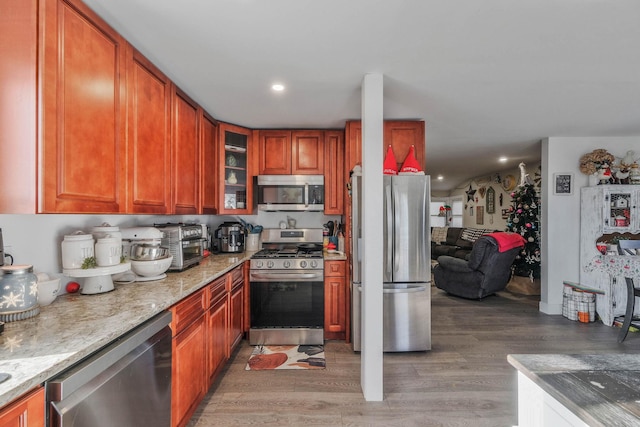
(493, 221)
(560, 220)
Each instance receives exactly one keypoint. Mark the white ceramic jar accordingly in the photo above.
(76, 248)
(108, 251)
(105, 230)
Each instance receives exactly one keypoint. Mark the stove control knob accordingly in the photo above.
(286, 264)
(259, 264)
(303, 264)
(269, 264)
(314, 264)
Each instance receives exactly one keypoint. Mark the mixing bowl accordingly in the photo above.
(149, 268)
(48, 291)
(148, 251)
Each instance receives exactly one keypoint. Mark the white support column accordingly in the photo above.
(371, 374)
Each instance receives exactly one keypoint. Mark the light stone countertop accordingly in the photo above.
(74, 326)
(602, 390)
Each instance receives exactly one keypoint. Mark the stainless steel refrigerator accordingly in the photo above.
(407, 263)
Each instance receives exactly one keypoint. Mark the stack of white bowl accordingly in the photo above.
(149, 259)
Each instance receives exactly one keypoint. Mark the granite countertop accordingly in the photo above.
(336, 256)
(602, 390)
(74, 326)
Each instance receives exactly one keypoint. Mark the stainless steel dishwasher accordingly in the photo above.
(127, 383)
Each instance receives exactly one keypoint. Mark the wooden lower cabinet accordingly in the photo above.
(218, 325)
(188, 383)
(236, 308)
(207, 326)
(26, 411)
(335, 300)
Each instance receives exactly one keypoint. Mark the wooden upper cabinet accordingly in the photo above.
(83, 111)
(235, 163)
(334, 182)
(274, 152)
(149, 137)
(307, 152)
(209, 164)
(18, 72)
(401, 135)
(186, 165)
(284, 152)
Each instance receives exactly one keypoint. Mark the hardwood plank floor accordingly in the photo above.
(464, 380)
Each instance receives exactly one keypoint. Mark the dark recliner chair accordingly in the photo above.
(486, 272)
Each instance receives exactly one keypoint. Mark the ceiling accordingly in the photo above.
(489, 78)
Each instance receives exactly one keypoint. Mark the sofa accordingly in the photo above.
(455, 242)
(487, 270)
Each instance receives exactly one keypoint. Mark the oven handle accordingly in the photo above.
(286, 277)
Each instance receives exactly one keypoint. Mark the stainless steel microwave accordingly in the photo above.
(290, 192)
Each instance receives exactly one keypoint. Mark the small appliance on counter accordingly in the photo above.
(229, 237)
(185, 243)
(149, 259)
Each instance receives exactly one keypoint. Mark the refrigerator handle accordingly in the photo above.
(389, 225)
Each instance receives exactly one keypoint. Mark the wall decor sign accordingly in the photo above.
(480, 215)
(563, 184)
(491, 200)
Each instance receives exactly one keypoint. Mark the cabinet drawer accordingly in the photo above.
(217, 290)
(335, 268)
(237, 277)
(187, 311)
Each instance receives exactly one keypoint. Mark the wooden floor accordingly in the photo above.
(465, 380)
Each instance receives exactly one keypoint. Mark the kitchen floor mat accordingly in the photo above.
(266, 357)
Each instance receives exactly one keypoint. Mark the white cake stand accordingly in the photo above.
(97, 280)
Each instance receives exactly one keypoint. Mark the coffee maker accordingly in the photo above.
(229, 237)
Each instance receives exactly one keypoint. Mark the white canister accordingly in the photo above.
(105, 230)
(108, 251)
(76, 248)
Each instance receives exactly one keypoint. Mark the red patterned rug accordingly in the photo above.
(265, 357)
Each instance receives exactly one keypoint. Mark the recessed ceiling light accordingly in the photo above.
(440, 177)
(502, 159)
(277, 87)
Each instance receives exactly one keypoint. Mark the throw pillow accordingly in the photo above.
(439, 234)
(472, 234)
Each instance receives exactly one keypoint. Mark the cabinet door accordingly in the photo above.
(149, 137)
(275, 152)
(186, 166)
(619, 207)
(27, 411)
(235, 194)
(209, 165)
(188, 371)
(236, 308)
(307, 152)
(83, 111)
(334, 182)
(402, 135)
(335, 292)
(18, 130)
(353, 149)
(218, 317)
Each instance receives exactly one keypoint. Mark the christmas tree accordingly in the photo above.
(524, 220)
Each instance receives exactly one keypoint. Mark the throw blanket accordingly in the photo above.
(507, 240)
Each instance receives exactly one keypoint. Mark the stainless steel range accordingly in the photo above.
(287, 288)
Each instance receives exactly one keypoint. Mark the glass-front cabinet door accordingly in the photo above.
(619, 213)
(235, 177)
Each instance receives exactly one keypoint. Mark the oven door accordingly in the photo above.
(188, 253)
(287, 307)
